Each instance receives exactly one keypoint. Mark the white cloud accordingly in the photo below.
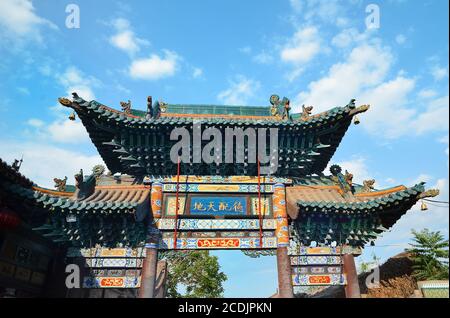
(263, 58)
(74, 80)
(23, 90)
(125, 39)
(302, 47)
(43, 162)
(61, 130)
(240, 91)
(296, 5)
(197, 72)
(18, 20)
(434, 118)
(427, 93)
(444, 140)
(363, 75)
(400, 39)
(34, 122)
(245, 49)
(357, 167)
(423, 177)
(154, 67)
(66, 131)
(389, 114)
(123, 89)
(322, 11)
(439, 73)
(348, 37)
(365, 66)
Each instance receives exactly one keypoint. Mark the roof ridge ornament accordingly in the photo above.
(306, 112)
(352, 104)
(126, 107)
(149, 113)
(60, 184)
(345, 181)
(368, 185)
(17, 164)
(79, 179)
(98, 171)
(280, 109)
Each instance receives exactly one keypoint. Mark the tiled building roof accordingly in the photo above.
(141, 146)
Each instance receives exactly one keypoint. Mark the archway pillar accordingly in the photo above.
(352, 288)
(150, 264)
(285, 289)
(148, 274)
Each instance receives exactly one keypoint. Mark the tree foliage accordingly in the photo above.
(194, 274)
(430, 255)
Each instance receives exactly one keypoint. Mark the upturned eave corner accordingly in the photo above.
(359, 109)
(74, 103)
(65, 101)
(431, 193)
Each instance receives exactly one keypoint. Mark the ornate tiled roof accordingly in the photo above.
(103, 200)
(140, 146)
(106, 214)
(331, 197)
(7, 172)
(137, 119)
(323, 211)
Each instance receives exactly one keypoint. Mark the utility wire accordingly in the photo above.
(439, 206)
(428, 200)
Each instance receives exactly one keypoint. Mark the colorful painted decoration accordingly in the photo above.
(265, 206)
(279, 213)
(316, 269)
(221, 179)
(156, 200)
(230, 188)
(113, 262)
(215, 224)
(316, 260)
(105, 252)
(310, 290)
(311, 280)
(219, 243)
(111, 282)
(296, 249)
(170, 205)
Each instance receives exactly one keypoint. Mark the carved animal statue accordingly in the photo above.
(274, 110)
(149, 108)
(279, 108)
(306, 111)
(162, 107)
(348, 178)
(287, 108)
(16, 164)
(79, 179)
(98, 170)
(126, 107)
(60, 184)
(368, 185)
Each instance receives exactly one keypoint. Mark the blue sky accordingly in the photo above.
(320, 53)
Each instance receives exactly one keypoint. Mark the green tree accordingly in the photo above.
(194, 274)
(430, 255)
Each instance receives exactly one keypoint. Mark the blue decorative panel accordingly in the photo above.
(218, 206)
